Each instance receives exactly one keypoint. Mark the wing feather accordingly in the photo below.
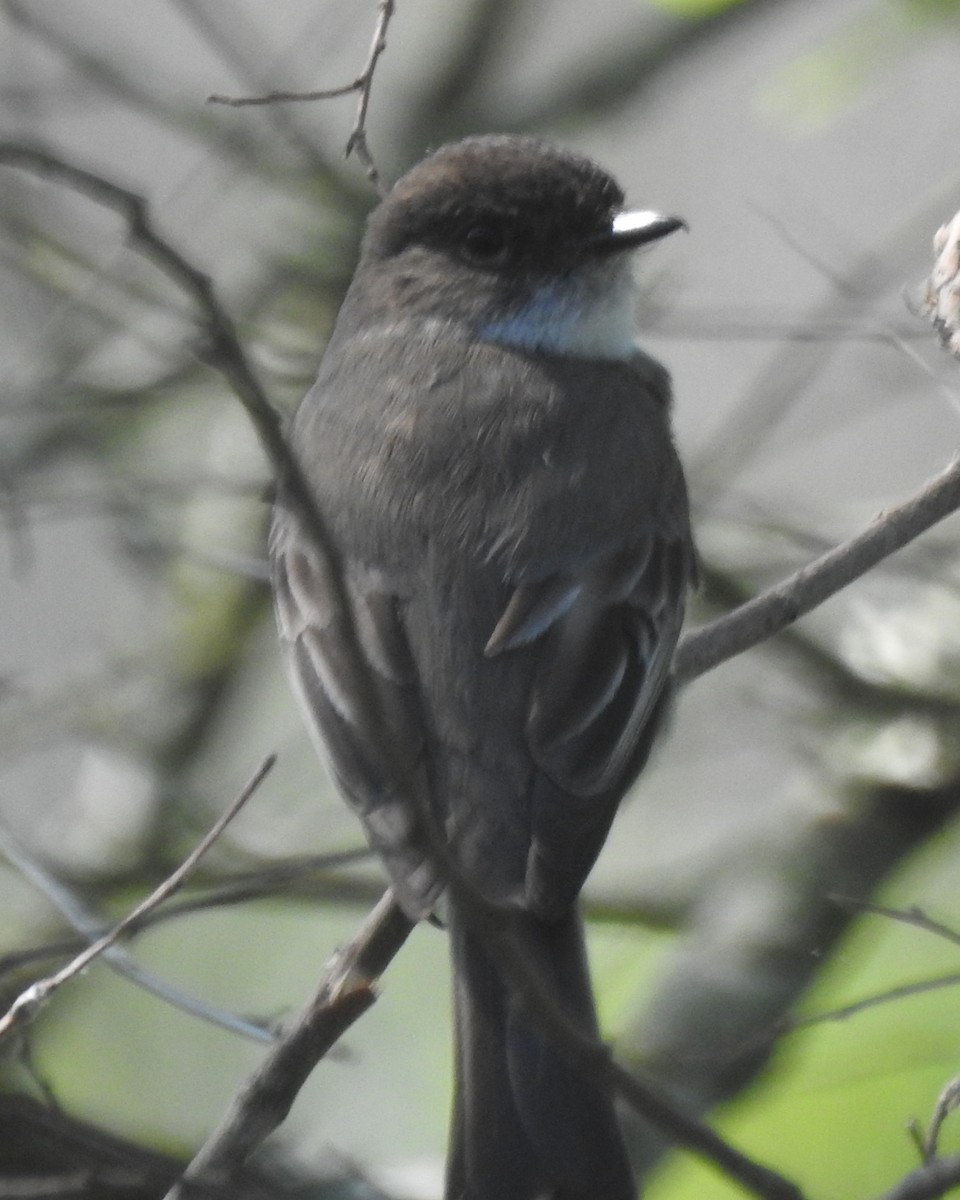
(595, 702)
(348, 736)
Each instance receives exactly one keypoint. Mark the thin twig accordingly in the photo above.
(901, 992)
(90, 927)
(363, 85)
(223, 349)
(947, 1102)
(29, 1003)
(929, 1182)
(917, 1137)
(225, 353)
(287, 877)
(775, 389)
(903, 916)
(345, 89)
(711, 323)
(844, 289)
(347, 990)
(781, 605)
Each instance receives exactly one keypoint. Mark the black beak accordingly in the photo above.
(631, 229)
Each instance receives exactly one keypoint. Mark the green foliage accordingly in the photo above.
(832, 1110)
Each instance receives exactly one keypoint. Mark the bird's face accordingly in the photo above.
(520, 242)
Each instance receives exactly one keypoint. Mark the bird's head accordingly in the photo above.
(515, 239)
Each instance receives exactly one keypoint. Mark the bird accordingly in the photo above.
(490, 452)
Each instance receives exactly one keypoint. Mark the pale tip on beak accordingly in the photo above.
(637, 227)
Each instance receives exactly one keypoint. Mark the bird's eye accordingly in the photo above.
(484, 244)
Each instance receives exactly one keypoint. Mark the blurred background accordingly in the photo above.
(811, 146)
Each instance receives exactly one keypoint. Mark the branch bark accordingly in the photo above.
(346, 991)
(781, 605)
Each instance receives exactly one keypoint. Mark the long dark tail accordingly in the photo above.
(525, 1125)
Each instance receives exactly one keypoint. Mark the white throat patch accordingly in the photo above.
(591, 316)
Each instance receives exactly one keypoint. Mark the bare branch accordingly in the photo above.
(89, 926)
(347, 990)
(363, 85)
(29, 1003)
(224, 349)
(225, 353)
(929, 1182)
(947, 1102)
(290, 877)
(904, 916)
(857, 1006)
(345, 89)
(779, 606)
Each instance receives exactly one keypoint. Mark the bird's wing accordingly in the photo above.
(362, 708)
(606, 637)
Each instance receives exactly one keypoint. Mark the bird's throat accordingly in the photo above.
(585, 318)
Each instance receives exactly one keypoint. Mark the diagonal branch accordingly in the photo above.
(29, 1003)
(914, 916)
(779, 606)
(346, 991)
(225, 353)
(88, 925)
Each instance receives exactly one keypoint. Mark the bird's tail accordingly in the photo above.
(526, 1126)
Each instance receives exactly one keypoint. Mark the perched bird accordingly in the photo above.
(492, 458)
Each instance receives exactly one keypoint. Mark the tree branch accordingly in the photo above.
(346, 991)
(363, 84)
(225, 353)
(929, 1182)
(29, 1003)
(779, 606)
(91, 930)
